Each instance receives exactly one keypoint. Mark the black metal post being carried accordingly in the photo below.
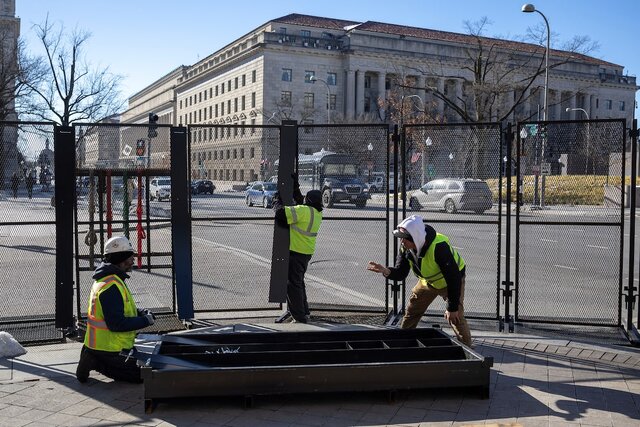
(64, 195)
(280, 251)
(181, 222)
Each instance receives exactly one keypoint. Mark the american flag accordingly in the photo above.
(415, 156)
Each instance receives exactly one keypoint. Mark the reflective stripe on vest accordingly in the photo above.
(430, 273)
(304, 223)
(98, 335)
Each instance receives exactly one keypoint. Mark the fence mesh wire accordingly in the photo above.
(27, 229)
(570, 223)
(454, 173)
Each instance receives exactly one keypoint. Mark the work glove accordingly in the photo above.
(149, 316)
(296, 182)
(276, 201)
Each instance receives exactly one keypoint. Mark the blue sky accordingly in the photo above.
(145, 39)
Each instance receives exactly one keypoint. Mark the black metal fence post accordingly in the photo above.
(507, 283)
(64, 195)
(181, 219)
(634, 336)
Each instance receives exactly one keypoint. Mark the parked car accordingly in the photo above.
(203, 186)
(376, 183)
(160, 188)
(452, 195)
(261, 193)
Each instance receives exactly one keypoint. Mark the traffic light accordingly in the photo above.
(140, 146)
(153, 127)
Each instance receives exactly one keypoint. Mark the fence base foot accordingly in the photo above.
(634, 336)
(283, 318)
(393, 319)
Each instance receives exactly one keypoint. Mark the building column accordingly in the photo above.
(382, 92)
(350, 94)
(359, 93)
(440, 102)
(420, 82)
(573, 104)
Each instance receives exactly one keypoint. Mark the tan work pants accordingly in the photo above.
(421, 298)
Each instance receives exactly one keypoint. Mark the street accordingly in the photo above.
(565, 271)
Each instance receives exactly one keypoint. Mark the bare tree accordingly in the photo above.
(74, 90)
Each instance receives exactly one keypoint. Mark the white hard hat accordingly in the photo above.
(117, 244)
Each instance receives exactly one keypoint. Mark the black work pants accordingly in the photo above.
(112, 365)
(296, 290)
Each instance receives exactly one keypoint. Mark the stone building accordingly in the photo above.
(9, 33)
(315, 69)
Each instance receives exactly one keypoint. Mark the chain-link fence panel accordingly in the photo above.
(124, 188)
(231, 170)
(27, 231)
(454, 175)
(570, 222)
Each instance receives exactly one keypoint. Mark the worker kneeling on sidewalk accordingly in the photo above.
(440, 270)
(112, 317)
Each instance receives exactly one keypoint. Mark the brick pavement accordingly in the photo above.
(535, 381)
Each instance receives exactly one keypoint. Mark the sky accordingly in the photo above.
(143, 40)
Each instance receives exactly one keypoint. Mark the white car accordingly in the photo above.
(160, 188)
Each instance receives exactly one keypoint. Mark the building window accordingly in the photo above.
(242, 152)
(308, 129)
(285, 97)
(235, 83)
(235, 105)
(242, 102)
(253, 100)
(253, 127)
(307, 76)
(253, 76)
(229, 86)
(222, 108)
(367, 104)
(209, 155)
(228, 154)
(597, 102)
(205, 94)
(210, 92)
(332, 79)
(242, 131)
(608, 104)
(181, 104)
(216, 110)
(200, 97)
(228, 106)
(235, 152)
(621, 105)
(332, 102)
(305, 33)
(210, 111)
(244, 79)
(216, 90)
(308, 100)
(286, 74)
(222, 89)
(252, 152)
(367, 82)
(241, 174)
(215, 155)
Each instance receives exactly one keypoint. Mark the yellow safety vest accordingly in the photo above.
(430, 273)
(98, 336)
(304, 223)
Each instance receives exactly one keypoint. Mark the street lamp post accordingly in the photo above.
(314, 79)
(586, 160)
(427, 143)
(370, 163)
(529, 8)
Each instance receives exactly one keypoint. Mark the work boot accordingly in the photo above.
(86, 364)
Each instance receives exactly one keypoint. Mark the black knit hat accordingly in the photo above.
(313, 198)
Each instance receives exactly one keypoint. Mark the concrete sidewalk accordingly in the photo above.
(535, 381)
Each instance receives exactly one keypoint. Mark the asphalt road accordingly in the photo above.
(565, 271)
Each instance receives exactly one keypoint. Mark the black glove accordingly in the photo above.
(296, 183)
(276, 201)
(151, 318)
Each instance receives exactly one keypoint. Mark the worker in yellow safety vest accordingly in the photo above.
(303, 220)
(440, 270)
(112, 317)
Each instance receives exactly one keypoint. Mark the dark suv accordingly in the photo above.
(344, 189)
(202, 187)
